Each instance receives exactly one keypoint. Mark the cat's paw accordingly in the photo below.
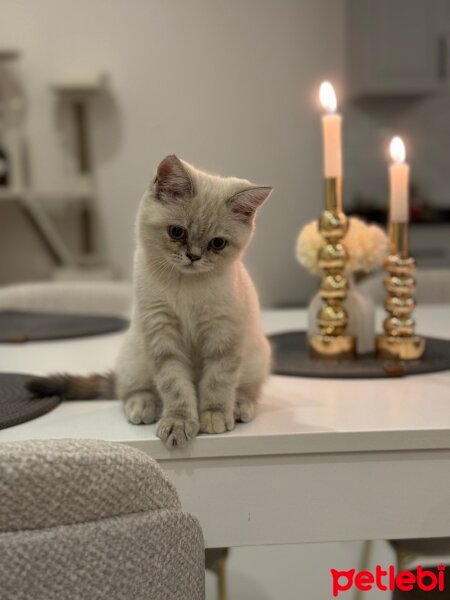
(215, 421)
(244, 410)
(141, 407)
(176, 431)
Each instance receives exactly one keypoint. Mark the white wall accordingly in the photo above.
(229, 86)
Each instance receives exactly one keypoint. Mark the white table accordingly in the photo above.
(324, 460)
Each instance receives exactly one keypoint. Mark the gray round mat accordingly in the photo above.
(18, 326)
(16, 403)
(291, 357)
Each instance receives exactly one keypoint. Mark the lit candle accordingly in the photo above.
(331, 125)
(399, 178)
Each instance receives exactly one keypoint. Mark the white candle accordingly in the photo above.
(331, 125)
(399, 180)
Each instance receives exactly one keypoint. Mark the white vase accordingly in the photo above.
(361, 318)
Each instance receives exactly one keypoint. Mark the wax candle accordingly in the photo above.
(399, 179)
(331, 125)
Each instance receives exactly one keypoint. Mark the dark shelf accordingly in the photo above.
(429, 216)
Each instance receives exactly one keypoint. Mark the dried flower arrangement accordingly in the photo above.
(366, 247)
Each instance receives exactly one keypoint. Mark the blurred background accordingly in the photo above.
(94, 93)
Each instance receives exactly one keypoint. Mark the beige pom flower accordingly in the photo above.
(366, 246)
(308, 244)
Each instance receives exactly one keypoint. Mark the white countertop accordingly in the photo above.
(295, 415)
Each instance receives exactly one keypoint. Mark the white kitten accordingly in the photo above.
(195, 356)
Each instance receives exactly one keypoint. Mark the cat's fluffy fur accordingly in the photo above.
(195, 356)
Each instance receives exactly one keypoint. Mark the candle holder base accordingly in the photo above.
(400, 348)
(332, 347)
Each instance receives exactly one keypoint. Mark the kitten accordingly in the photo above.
(194, 357)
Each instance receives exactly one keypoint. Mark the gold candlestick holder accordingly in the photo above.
(399, 340)
(331, 341)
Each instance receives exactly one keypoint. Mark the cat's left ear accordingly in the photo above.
(244, 204)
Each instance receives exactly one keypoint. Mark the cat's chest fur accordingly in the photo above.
(193, 308)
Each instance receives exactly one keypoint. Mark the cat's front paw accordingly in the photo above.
(244, 410)
(176, 431)
(215, 421)
(142, 407)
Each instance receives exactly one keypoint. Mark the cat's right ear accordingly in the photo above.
(172, 180)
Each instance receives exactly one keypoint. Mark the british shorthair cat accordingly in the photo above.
(194, 357)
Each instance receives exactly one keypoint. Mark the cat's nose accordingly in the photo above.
(193, 257)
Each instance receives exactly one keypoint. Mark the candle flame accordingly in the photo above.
(328, 97)
(397, 150)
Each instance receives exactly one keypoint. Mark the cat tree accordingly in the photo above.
(14, 167)
(75, 96)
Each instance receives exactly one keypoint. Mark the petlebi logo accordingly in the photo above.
(387, 580)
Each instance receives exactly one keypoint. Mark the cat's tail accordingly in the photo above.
(74, 387)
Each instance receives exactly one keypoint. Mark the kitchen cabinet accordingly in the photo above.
(430, 244)
(396, 47)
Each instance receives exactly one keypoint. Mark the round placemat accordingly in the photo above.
(19, 326)
(291, 357)
(16, 403)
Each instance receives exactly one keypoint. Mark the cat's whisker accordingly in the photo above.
(158, 260)
(159, 266)
(169, 278)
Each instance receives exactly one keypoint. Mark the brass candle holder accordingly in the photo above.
(331, 341)
(399, 340)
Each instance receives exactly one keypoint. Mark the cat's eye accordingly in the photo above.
(217, 243)
(177, 233)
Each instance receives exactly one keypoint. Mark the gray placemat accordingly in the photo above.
(17, 405)
(291, 357)
(21, 326)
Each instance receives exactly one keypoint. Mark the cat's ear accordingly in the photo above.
(172, 180)
(244, 204)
